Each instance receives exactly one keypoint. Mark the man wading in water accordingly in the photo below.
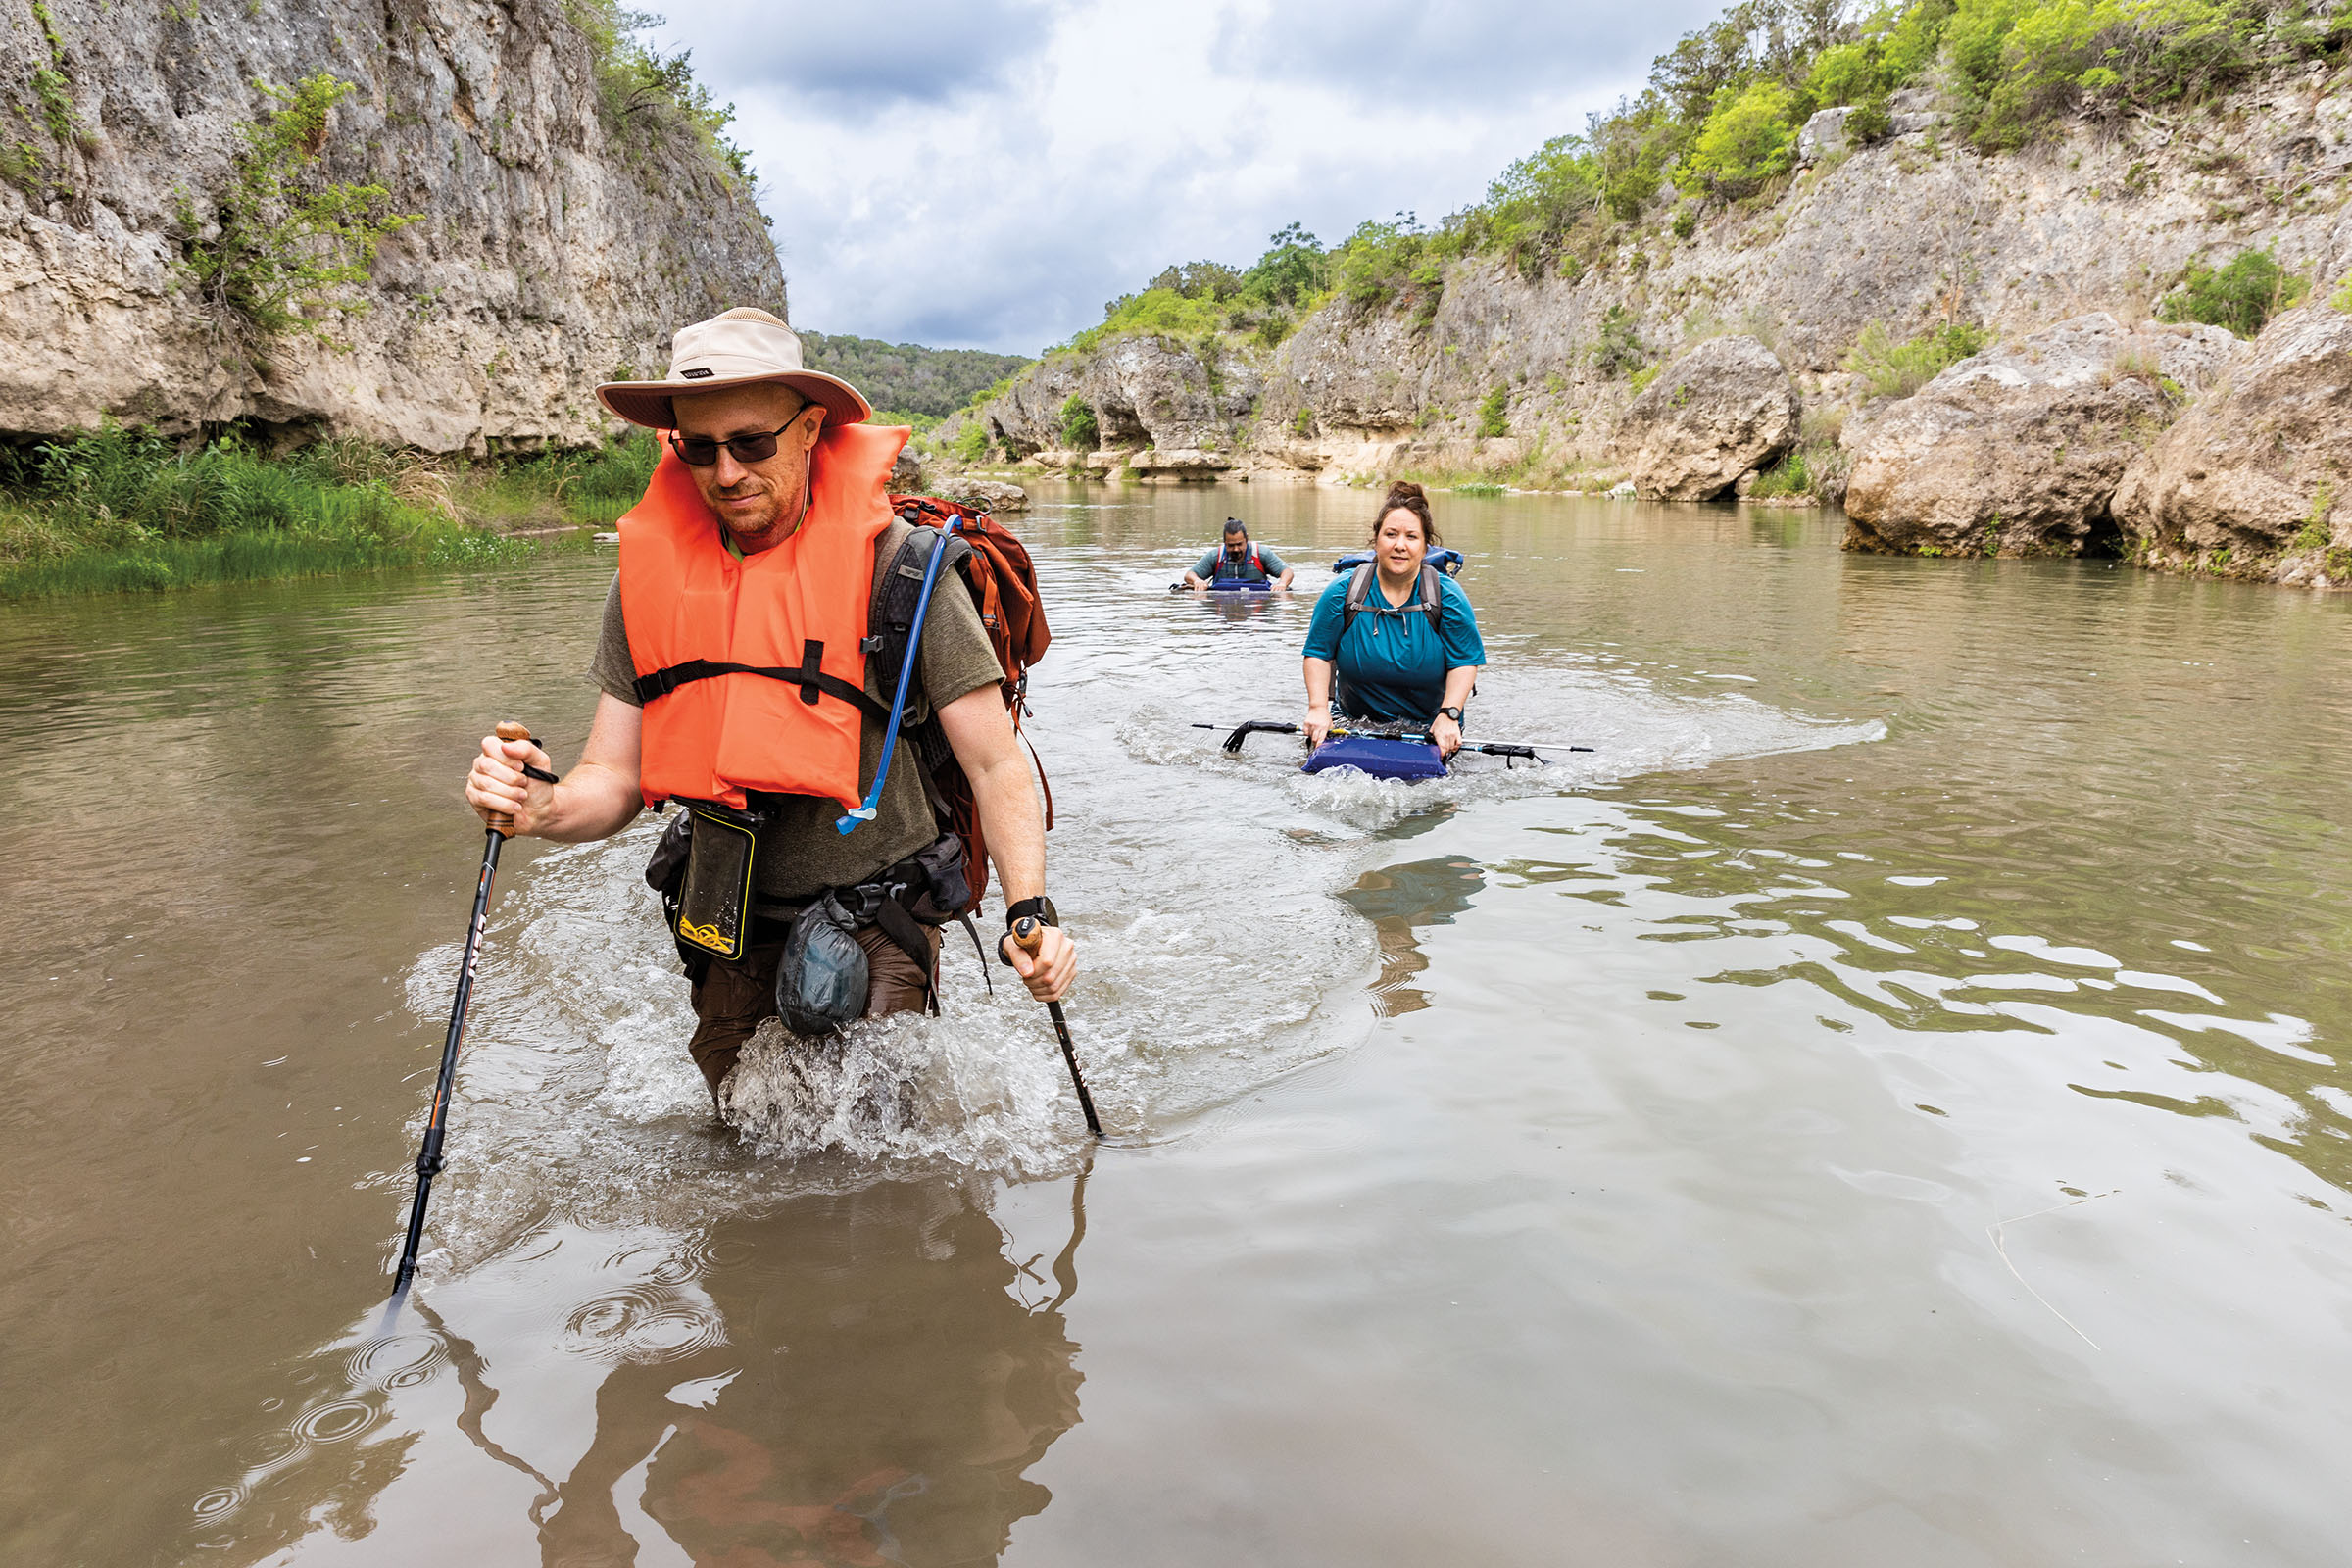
(762, 541)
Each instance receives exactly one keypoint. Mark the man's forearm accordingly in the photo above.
(592, 803)
(1014, 824)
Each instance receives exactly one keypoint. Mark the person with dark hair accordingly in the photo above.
(1397, 637)
(1239, 564)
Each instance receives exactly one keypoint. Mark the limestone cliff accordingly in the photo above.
(562, 228)
(1911, 232)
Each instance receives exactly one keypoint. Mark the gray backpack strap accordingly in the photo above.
(1429, 596)
(1358, 586)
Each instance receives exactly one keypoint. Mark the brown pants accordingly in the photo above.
(734, 999)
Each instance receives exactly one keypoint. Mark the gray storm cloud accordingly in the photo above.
(987, 174)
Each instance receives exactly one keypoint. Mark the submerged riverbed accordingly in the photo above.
(1884, 1105)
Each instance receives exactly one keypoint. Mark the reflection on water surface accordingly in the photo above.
(1887, 1103)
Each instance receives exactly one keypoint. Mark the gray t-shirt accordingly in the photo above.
(1205, 567)
(798, 852)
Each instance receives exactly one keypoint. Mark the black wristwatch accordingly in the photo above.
(1453, 714)
(1040, 908)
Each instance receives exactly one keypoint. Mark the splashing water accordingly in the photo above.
(1215, 954)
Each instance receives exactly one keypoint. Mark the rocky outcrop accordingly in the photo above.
(2018, 449)
(1827, 134)
(1721, 411)
(988, 495)
(556, 240)
(2255, 476)
(1145, 392)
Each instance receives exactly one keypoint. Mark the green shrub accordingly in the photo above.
(1618, 352)
(1382, 263)
(1748, 139)
(1686, 220)
(1870, 120)
(1079, 430)
(1304, 422)
(2241, 296)
(1495, 414)
(291, 245)
(970, 444)
(1891, 369)
(2341, 299)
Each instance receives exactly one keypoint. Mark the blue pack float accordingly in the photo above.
(1378, 756)
(1449, 562)
(1233, 585)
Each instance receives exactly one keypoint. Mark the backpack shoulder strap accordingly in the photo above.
(1358, 586)
(1429, 596)
(898, 586)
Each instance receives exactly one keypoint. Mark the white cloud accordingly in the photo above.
(989, 173)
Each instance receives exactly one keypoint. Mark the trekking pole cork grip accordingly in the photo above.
(500, 822)
(1029, 934)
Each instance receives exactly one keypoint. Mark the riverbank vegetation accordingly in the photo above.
(907, 379)
(122, 510)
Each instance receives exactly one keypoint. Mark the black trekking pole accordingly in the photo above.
(428, 1158)
(1028, 935)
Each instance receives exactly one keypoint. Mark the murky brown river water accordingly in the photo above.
(1885, 1105)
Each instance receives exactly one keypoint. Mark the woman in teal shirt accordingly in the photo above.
(1393, 660)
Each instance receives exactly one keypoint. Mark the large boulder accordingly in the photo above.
(2018, 450)
(2259, 467)
(985, 495)
(1722, 409)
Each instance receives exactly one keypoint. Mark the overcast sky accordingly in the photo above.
(986, 174)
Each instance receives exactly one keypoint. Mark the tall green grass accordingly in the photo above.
(122, 510)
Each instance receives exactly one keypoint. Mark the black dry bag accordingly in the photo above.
(821, 982)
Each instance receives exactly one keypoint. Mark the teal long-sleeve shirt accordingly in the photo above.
(1392, 667)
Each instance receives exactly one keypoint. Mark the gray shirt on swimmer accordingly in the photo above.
(798, 852)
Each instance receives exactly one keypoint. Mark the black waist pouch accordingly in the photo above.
(703, 869)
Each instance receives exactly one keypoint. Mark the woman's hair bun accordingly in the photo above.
(1414, 499)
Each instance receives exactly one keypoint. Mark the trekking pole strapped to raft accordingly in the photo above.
(865, 811)
(1028, 935)
(436, 1123)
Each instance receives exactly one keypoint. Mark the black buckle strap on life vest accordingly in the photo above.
(813, 653)
(806, 676)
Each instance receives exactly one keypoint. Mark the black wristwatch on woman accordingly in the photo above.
(1453, 714)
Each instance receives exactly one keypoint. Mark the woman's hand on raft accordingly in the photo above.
(496, 784)
(1048, 972)
(1448, 735)
(1318, 723)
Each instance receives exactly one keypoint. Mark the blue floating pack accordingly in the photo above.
(1378, 756)
(1449, 562)
(1233, 585)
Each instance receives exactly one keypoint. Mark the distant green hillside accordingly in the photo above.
(906, 378)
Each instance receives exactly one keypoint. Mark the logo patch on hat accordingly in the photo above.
(700, 372)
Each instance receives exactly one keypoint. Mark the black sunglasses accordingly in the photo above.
(757, 445)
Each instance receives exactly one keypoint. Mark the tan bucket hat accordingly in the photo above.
(734, 349)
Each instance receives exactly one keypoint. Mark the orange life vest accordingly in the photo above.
(753, 671)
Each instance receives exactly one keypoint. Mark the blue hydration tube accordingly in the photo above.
(897, 705)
